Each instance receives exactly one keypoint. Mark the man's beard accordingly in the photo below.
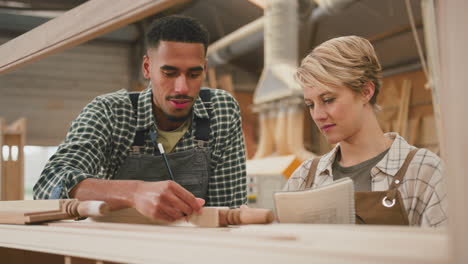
(177, 119)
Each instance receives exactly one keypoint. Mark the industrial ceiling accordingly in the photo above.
(384, 22)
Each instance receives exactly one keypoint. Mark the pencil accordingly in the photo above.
(163, 154)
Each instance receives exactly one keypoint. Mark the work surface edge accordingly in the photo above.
(276, 243)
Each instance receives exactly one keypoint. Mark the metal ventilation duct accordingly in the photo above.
(281, 52)
(251, 36)
(237, 43)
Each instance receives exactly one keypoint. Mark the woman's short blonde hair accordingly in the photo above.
(350, 61)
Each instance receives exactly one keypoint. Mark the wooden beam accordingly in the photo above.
(276, 243)
(212, 83)
(453, 39)
(225, 83)
(18, 127)
(394, 32)
(80, 24)
(36, 211)
(18, 256)
(259, 3)
(414, 128)
(14, 137)
(2, 174)
(405, 97)
(266, 144)
(209, 217)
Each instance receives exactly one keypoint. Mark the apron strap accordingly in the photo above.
(398, 178)
(312, 171)
(134, 99)
(203, 129)
(139, 139)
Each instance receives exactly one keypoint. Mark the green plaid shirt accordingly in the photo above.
(100, 139)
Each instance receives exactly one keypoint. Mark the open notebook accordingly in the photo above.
(328, 204)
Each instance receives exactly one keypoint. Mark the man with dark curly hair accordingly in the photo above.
(111, 150)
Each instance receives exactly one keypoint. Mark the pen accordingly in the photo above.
(161, 149)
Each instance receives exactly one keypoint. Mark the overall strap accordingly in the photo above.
(139, 139)
(202, 130)
(312, 171)
(398, 178)
(134, 99)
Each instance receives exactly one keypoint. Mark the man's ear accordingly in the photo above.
(368, 91)
(145, 67)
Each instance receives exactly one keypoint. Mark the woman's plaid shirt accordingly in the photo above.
(423, 188)
(100, 139)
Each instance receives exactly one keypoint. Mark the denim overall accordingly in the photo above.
(191, 168)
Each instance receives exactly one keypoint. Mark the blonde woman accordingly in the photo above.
(395, 182)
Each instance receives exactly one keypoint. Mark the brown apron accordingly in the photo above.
(380, 207)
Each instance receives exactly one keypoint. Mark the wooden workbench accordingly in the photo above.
(270, 244)
(275, 243)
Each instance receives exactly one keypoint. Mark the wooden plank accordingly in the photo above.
(260, 3)
(80, 24)
(17, 256)
(31, 206)
(2, 173)
(414, 128)
(75, 260)
(17, 127)
(393, 32)
(281, 131)
(275, 243)
(402, 121)
(212, 78)
(453, 39)
(209, 217)
(13, 178)
(266, 144)
(225, 83)
(34, 211)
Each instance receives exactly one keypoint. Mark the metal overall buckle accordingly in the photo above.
(136, 150)
(201, 143)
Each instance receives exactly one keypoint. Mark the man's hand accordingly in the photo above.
(165, 200)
